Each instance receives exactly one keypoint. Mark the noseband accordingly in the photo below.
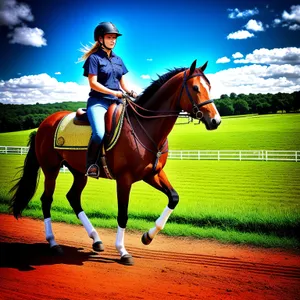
(197, 113)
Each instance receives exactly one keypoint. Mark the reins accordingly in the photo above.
(162, 114)
(165, 114)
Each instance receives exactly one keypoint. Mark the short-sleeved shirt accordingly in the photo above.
(109, 71)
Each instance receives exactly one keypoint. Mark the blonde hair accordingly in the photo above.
(87, 51)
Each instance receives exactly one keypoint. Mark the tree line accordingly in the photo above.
(15, 117)
(258, 103)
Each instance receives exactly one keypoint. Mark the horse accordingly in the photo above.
(140, 154)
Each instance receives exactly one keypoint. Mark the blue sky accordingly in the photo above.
(252, 46)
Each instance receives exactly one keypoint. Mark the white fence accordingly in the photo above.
(259, 155)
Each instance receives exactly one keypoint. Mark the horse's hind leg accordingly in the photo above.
(161, 182)
(74, 198)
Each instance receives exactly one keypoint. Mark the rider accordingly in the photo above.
(105, 71)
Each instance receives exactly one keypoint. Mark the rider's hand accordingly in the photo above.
(133, 94)
(118, 94)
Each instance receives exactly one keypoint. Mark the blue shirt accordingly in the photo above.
(109, 71)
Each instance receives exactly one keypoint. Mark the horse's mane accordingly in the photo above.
(157, 84)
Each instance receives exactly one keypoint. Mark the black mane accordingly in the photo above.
(157, 84)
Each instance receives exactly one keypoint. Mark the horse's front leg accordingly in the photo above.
(161, 182)
(123, 192)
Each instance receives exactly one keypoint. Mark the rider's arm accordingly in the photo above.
(95, 85)
(125, 88)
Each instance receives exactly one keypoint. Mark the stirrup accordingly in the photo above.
(93, 171)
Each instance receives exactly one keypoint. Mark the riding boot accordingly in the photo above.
(93, 152)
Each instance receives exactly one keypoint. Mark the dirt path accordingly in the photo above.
(170, 268)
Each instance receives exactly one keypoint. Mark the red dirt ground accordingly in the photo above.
(169, 268)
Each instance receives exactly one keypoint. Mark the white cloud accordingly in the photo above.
(240, 35)
(236, 13)
(254, 25)
(255, 79)
(149, 59)
(40, 88)
(145, 76)
(43, 88)
(27, 36)
(237, 55)
(294, 15)
(13, 13)
(294, 27)
(223, 60)
(276, 22)
(57, 73)
(289, 55)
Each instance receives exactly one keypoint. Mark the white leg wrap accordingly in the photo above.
(49, 232)
(160, 222)
(88, 227)
(120, 241)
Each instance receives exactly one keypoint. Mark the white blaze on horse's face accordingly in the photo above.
(211, 117)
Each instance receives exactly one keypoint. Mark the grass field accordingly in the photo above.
(267, 132)
(240, 202)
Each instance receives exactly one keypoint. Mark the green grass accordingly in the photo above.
(266, 132)
(15, 138)
(240, 202)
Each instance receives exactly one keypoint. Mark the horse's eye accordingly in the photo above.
(196, 88)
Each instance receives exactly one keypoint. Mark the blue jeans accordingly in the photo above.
(96, 109)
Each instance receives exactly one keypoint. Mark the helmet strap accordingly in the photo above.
(103, 44)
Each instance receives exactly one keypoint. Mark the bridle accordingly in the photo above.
(197, 113)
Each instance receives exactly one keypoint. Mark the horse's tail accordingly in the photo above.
(27, 183)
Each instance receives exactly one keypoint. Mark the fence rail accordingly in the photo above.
(259, 155)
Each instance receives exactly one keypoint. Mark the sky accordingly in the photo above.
(251, 46)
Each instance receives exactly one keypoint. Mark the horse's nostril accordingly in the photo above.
(214, 121)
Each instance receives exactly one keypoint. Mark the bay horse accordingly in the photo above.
(140, 154)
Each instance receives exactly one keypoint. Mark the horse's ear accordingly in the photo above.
(193, 67)
(204, 67)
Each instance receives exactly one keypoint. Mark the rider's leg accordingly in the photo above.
(96, 110)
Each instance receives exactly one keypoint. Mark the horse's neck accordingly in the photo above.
(164, 102)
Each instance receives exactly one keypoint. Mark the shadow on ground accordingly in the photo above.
(24, 256)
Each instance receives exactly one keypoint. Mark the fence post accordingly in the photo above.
(240, 155)
(198, 154)
(218, 155)
(181, 154)
(266, 155)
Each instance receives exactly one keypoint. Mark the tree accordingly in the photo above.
(225, 107)
(232, 96)
(263, 108)
(241, 107)
(224, 96)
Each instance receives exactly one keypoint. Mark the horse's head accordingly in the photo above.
(194, 97)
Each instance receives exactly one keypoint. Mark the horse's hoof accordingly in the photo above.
(57, 250)
(146, 239)
(127, 260)
(98, 246)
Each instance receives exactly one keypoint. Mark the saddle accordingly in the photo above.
(74, 131)
(113, 123)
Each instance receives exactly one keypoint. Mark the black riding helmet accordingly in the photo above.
(105, 28)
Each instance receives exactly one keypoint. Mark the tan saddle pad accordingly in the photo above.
(74, 130)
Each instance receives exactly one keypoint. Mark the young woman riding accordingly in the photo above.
(105, 71)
